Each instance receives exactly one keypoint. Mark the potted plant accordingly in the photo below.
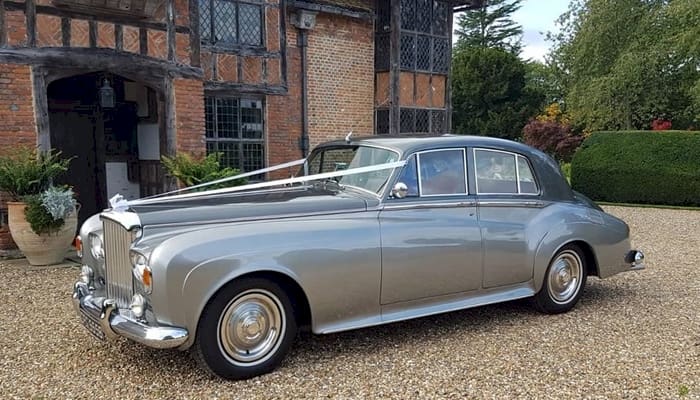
(191, 171)
(42, 218)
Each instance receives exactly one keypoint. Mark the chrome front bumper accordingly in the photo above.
(103, 320)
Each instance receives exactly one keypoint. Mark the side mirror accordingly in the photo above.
(399, 191)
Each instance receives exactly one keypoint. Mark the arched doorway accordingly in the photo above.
(111, 126)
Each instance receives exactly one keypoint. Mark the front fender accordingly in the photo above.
(334, 259)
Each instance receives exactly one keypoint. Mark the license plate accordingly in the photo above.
(92, 326)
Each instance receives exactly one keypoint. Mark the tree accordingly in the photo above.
(625, 63)
(542, 78)
(490, 26)
(489, 94)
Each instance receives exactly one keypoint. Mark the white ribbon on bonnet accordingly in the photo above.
(119, 203)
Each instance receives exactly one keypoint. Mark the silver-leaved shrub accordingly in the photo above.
(58, 202)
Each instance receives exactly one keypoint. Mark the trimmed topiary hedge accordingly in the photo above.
(639, 167)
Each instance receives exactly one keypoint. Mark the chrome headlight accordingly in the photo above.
(96, 246)
(141, 270)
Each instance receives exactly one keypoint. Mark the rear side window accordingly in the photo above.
(526, 179)
(499, 172)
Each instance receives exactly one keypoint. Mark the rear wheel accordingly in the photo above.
(564, 281)
(246, 329)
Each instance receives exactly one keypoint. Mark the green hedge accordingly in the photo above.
(639, 167)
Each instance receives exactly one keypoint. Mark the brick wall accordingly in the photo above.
(16, 106)
(341, 78)
(189, 116)
(18, 124)
(283, 113)
(340, 87)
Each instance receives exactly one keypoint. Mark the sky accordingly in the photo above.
(537, 17)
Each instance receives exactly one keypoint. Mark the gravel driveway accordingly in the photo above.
(635, 335)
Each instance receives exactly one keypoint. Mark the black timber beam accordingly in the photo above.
(98, 60)
(221, 88)
(329, 9)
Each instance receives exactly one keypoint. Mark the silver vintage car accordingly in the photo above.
(374, 230)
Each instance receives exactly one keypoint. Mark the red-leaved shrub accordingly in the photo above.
(660, 125)
(553, 138)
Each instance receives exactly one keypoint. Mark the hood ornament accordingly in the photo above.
(348, 138)
(119, 203)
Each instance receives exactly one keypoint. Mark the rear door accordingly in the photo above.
(509, 204)
(431, 243)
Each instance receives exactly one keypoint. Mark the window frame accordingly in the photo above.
(517, 173)
(210, 41)
(239, 140)
(420, 178)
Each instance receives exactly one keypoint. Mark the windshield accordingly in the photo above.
(346, 157)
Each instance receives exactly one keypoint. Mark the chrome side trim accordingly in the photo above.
(435, 305)
(512, 203)
(429, 205)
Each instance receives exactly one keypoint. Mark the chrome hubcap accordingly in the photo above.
(565, 277)
(251, 327)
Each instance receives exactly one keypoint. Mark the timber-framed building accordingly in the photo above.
(119, 83)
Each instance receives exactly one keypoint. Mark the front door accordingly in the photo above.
(431, 241)
(74, 132)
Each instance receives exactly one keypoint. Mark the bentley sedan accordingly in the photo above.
(372, 231)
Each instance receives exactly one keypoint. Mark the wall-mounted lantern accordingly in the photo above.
(106, 95)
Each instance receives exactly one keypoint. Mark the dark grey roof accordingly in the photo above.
(408, 144)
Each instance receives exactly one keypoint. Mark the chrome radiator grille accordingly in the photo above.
(117, 241)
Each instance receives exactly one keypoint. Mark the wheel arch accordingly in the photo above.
(300, 302)
(590, 257)
(299, 299)
(550, 246)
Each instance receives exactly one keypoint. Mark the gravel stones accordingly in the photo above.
(635, 335)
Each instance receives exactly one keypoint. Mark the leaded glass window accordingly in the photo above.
(234, 128)
(425, 36)
(420, 120)
(231, 23)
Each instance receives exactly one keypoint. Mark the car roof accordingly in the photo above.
(552, 182)
(409, 144)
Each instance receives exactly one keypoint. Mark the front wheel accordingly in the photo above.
(564, 281)
(245, 330)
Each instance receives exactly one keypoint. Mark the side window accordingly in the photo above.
(442, 172)
(409, 176)
(526, 177)
(503, 173)
(495, 172)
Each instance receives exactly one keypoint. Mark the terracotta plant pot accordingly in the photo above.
(44, 249)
